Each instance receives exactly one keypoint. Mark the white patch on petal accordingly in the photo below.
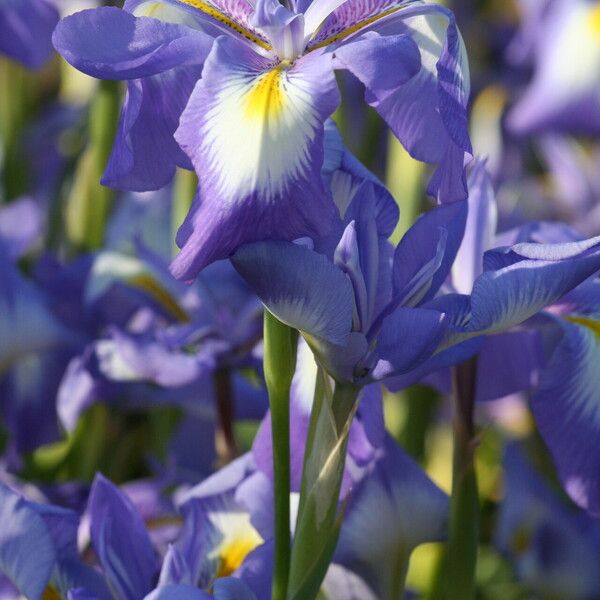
(258, 132)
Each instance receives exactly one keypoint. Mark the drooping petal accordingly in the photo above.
(110, 43)
(145, 153)
(121, 541)
(26, 30)
(428, 112)
(27, 552)
(254, 132)
(567, 410)
(520, 281)
(370, 55)
(300, 287)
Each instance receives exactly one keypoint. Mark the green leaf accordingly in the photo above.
(319, 522)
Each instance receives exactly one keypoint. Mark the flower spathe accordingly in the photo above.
(253, 126)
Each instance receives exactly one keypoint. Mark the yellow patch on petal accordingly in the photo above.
(265, 100)
(216, 14)
(591, 324)
(595, 20)
(233, 552)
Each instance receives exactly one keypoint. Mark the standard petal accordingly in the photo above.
(27, 552)
(300, 287)
(110, 43)
(480, 230)
(26, 31)
(421, 262)
(254, 132)
(121, 541)
(409, 336)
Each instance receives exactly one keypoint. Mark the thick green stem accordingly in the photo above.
(421, 403)
(464, 506)
(280, 343)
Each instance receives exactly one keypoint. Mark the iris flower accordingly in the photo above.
(563, 37)
(554, 355)
(263, 78)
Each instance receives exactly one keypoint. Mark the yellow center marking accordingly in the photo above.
(266, 99)
(595, 20)
(354, 28)
(211, 11)
(232, 554)
(586, 322)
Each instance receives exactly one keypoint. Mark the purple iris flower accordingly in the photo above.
(253, 125)
(26, 28)
(550, 349)
(563, 36)
(354, 301)
(39, 549)
(550, 544)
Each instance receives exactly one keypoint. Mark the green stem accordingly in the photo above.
(279, 366)
(421, 403)
(464, 505)
(16, 102)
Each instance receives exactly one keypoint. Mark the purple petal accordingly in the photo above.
(27, 552)
(254, 133)
(409, 336)
(121, 541)
(300, 287)
(145, 153)
(566, 411)
(110, 43)
(526, 278)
